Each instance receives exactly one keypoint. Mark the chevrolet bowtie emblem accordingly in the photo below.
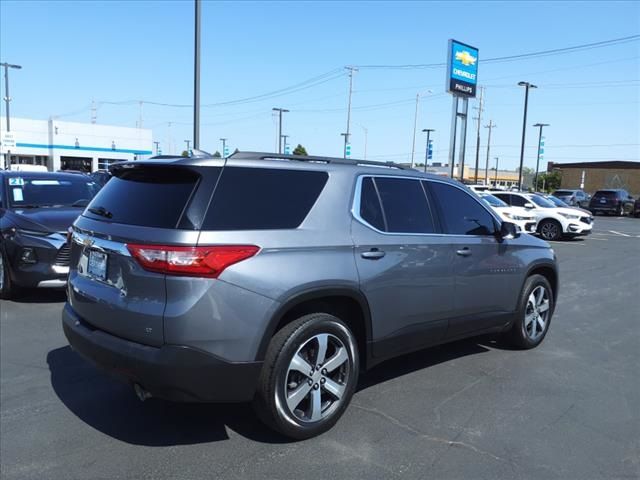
(466, 58)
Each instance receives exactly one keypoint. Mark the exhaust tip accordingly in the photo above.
(141, 393)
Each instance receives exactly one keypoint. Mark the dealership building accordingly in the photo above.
(62, 145)
(592, 176)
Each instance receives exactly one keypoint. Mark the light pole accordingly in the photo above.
(535, 179)
(284, 143)
(491, 126)
(196, 78)
(187, 142)
(426, 152)
(348, 134)
(224, 147)
(526, 86)
(280, 112)
(366, 135)
(415, 126)
(157, 144)
(495, 182)
(7, 99)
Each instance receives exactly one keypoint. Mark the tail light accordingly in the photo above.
(202, 261)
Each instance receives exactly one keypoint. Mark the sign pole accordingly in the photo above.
(463, 135)
(452, 140)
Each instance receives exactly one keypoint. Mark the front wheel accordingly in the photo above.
(534, 313)
(550, 230)
(6, 287)
(309, 376)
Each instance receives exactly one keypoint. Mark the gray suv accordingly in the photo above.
(280, 278)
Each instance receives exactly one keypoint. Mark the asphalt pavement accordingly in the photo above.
(569, 409)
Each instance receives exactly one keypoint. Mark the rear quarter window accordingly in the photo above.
(263, 198)
(145, 196)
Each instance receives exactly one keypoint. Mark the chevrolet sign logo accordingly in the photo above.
(466, 58)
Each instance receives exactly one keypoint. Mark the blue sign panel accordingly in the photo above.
(430, 150)
(462, 69)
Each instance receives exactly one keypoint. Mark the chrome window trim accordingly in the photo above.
(355, 208)
(100, 244)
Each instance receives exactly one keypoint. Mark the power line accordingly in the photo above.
(510, 58)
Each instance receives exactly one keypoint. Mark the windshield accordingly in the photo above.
(50, 191)
(541, 201)
(493, 201)
(556, 201)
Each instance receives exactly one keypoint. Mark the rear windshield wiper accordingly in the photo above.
(103, 212)
(28, 205)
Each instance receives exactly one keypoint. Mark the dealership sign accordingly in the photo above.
(462, 69)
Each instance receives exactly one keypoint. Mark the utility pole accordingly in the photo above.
(7, 99)
(224, 147)
(535, 179)
(280, 111)
(348, 134)
(196, 78)
(480, 107)
(415, 126)
(426, 152)
(187, 142)
(486, 165)
(526, 86)
(495, 182)
(157, 144)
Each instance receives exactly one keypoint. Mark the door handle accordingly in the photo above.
(373, 254)
(464, 252)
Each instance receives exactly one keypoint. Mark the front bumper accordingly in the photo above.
(172, 372)
(578, 228)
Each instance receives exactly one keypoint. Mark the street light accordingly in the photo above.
(527, 86)
(7, 99)
(535, 179)
(426, 152)
(280, 112)
(224, 147)
(495, 182)
(284, 143)
(415, 124)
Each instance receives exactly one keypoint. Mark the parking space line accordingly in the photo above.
(619, 233)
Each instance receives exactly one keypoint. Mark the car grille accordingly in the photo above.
(586, 220)
(63, 256)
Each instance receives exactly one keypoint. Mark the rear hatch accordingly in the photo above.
(604, 198)
(143, 204)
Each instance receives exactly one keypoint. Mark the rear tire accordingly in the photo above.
(309, 376)
(533, 317)
(550, 229)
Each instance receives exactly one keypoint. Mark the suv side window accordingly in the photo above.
(505, 197)
(461, 213)
(405, 205)
(370, 207)
(518, 201)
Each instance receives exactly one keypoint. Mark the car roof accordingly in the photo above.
(27, 174)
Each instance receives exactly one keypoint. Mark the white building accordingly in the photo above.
(70, 145)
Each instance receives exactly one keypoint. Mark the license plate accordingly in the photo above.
(97, 265)
(602, 200)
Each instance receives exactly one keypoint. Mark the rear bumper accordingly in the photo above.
(171, 372)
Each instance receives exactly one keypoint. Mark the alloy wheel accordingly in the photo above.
(549, 231)
(537, 313)
(317, 378)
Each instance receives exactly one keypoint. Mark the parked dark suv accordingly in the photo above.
(616, 202)
(278, 278)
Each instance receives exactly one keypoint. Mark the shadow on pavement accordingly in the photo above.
(40, 295)
(111, 407)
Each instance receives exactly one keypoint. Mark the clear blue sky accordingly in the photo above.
(73, 52)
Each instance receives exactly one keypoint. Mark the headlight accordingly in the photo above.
(516, 217)
(569, 216)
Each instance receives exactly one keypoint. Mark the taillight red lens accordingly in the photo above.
(203, 261)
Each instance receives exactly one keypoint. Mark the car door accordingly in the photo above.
(404, 264)
(487, 268)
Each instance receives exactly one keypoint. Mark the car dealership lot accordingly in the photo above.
(569, 409)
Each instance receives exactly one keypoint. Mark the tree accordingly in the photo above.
(185, 153)
(549, 181)
(217, 155)
(300, 150)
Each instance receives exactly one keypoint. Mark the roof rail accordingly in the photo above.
(310, 158)
(192, 154)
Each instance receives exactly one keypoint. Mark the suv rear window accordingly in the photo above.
(605, 194)
(263, 198)
(145, 196)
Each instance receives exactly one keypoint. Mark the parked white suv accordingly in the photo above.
(553, 222)
(522, 217)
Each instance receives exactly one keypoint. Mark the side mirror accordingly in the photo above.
(509, 230)
(528, 205)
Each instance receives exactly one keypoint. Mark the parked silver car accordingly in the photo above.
(280, 278)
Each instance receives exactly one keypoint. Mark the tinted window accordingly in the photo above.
(461, 213)
(564, 193)
(405, 205)
(493, 201)
(605, 194)
(505, 197)
(370, 209)
(145, 196)
(541, 201)
(518, 201)
(50, 190)
(263, 199)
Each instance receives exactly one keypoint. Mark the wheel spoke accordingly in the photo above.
(294, 398)
(338, 359)
(301, 365)
(334, 388)
(541, 324)
(316, 405)
(323, 340)
(544, 306)
(539, 294)
(529, 318)
(532, 299)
